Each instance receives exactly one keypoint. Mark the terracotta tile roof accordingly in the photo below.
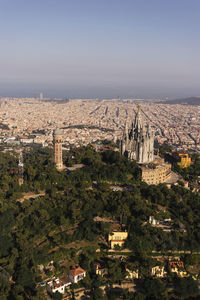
(60, 282)
(66, 279)
(177, 263)
(57, 284)
(76, 271)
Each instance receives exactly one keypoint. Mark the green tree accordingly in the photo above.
(4, 282)
(154, 289)
(97, 294)
(186, 287)
(116, 271)
(25, 278)
(57, 296)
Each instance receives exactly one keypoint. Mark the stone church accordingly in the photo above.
(138, 142)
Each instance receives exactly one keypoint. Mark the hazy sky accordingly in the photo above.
(98, 48)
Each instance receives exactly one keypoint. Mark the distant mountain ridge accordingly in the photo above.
(184, 101)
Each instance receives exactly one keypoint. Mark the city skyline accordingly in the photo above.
(84, 121)
(100, 48)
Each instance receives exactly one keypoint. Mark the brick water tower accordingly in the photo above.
(57, 145)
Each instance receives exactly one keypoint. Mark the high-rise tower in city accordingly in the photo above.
(138, 142)
(57, 143)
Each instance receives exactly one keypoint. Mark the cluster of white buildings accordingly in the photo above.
(60, 284)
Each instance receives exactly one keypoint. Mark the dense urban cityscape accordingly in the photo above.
(100, 150)
(31, 120)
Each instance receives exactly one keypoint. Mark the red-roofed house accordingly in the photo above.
(177, 266)
(117, 238)
(76, 274)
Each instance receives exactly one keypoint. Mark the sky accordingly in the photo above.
(100, 48)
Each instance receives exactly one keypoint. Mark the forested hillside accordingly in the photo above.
(59, 226)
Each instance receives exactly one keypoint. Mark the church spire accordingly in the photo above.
(138, 120)
(126, 128)
(138, 141)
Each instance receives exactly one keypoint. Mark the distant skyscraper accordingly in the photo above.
(138, 142)
(41, 96)
(57, 142)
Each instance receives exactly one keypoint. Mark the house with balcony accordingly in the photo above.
(177, 266)
(117, 238)
(76, 274)
(158, 271)
(58, 285)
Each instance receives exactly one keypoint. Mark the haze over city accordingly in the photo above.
(99, 150)
(100, 48)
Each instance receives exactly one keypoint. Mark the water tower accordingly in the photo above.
(57, 144)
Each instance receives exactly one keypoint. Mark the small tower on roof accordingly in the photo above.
(57, 147)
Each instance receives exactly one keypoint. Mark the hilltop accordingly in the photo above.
(58, 220)
(184, 101)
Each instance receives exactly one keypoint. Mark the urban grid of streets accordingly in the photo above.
(178, 125)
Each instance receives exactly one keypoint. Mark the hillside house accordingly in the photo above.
(158, 271)
(58, 285)
(131, 274)
(117, 238)
(76, 274)
(177, 266)
(100, 268)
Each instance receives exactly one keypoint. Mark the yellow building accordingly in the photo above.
(158, 271)
(132, 274)
(177, 267)
(117, 238)
(185, 160)
(156, 172)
